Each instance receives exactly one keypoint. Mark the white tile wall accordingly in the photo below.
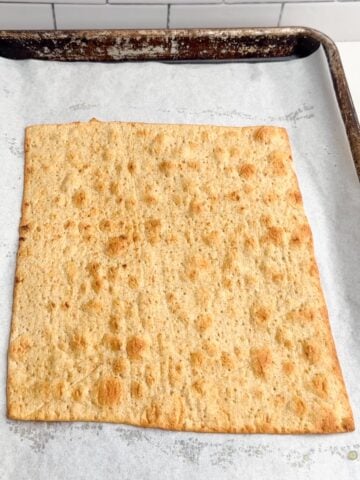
(18, 16)
(165, 1)
(111, 16)
(52, 1)
(341, 21)
(269, 1)
(224, 15)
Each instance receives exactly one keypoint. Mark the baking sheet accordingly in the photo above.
(296, 94)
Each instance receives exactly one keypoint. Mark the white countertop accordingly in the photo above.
(350, 56)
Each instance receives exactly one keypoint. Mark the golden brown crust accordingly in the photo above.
(166, 278)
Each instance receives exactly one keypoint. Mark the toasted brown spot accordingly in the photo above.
(313, 269)
(78, 342)
(194, 265)
(166, 167)
(114, 323)
(20, 347)
(238, 352)
(116, 246)
(247, 170)
(65, 306)
(150, 197)
(319, 385)
(112, 342)
(24, 229)
(131, 167)
(141, 133)
(114, 188)
(234, 152)
(295, 197)
(281, 338)
(96, 284)
(323, 312)
(288, 367)
(199, 387)
(260, 314)
(105, 225)
(249, 280)
(248, 188)
(79, 198)
(233, 196)
(196, 207)
(70, 270)
(130, 203)
(227, 361)
(177, 200)
(270, 197)
(311, 351)
(277, 161)
(188, 185)
(204, 322)
(220, 154)
(196, 359)
(258, 394)
(109, 392)
(149, 376)
(58, 390)
(137, 390)
(212, 238)
(229, 261)
(93, 268)
(175, 372)
(92, 307)
(265, 220)
(99, 186)
(133, 282)
(204, 136)
(348, 424)
(194, 165)
(301, 315)
(261, 360)
(112, 274)
(249, 243)
(158, 143)
(277, 277)
(135, 348)
(85, 229)
(69, 224)
(153, 230)
(119, 366)
(274, 235)
(298, 406)
(77, 394)
(326, 421)
(152, 414)
(264, 134)
(209, 348)
(300, 235)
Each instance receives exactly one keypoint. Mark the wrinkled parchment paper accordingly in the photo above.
(296, 94)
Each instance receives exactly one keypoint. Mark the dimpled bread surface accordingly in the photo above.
(166, 278)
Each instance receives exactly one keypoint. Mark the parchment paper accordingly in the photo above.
(296, 94)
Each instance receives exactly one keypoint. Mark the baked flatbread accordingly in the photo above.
(166, 278)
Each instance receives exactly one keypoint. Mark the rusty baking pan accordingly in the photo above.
(188, 45)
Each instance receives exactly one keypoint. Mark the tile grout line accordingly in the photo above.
(281, 14)
(53, 15)
(168, 16)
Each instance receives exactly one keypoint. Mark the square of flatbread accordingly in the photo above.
(166, 278)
